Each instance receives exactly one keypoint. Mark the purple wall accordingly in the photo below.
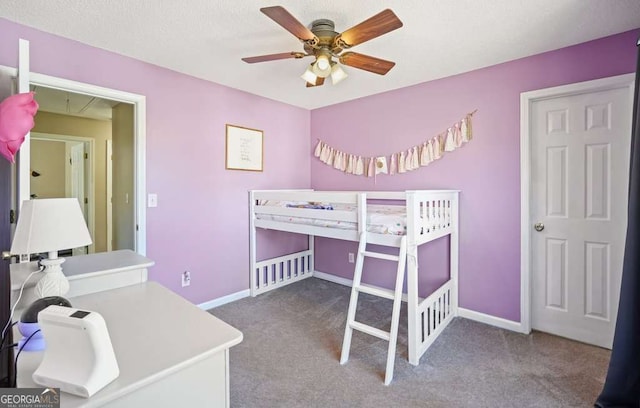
(201, 222)
(487, 170)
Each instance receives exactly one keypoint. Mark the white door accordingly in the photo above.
(579, 180)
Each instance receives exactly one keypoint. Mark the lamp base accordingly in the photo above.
(53, 283)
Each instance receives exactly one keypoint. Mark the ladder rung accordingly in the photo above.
(383, 293)
(381, 256)
(370, 330)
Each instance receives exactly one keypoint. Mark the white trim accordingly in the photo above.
(140, 125)
(109, 194)
(491, 320)
(24, 154)
(225, 299)
(462, 312)
(333, 278)
(8, 71)
(526, 100)
(349, 283)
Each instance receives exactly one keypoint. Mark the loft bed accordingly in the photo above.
(368, 218)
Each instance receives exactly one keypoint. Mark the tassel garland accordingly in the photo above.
(411, 159)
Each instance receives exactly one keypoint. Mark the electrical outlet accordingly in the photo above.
(186, 278)
(351, 257)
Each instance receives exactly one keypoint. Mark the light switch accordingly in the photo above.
(152, 200)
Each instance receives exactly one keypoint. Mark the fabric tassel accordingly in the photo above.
(332, 156)
(408, 160)
(415, 159)
(429, 154)
(337, 161)
(437, 151)
(393, 164)
(370, 167)
(449, 143)
(458, 134)
(343, 162)
(423, 155)
(318, 148)
(469, 128)
(349, 168)
(324, 153)
(463, 130)
(359, 167)
(401, 163)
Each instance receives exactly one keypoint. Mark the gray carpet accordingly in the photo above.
(293, 336)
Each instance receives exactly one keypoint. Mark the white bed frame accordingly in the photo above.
(431, 214)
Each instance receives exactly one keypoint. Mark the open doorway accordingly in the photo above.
(64, 166)
(83, 146)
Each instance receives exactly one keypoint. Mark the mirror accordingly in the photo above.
(83, 146)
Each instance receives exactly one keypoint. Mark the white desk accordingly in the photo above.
(86, 273)
(170, 353)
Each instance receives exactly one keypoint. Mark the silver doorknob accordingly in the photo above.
(538, 226)
(6, 255)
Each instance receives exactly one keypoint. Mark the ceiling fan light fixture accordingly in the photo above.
(309, 76)
(337, 74)
(321, 67)
(323, 62)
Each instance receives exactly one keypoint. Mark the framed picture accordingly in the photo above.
(243, 149)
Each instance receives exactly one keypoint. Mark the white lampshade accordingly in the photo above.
(337, 74)
(309, 76)
(50, 225)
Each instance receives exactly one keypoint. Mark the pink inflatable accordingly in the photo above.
(16, 120)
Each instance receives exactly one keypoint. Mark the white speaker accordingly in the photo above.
(78, 357)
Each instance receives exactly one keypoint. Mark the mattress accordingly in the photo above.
(381, 219)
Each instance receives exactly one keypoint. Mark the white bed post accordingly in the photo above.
(362, 213)
(312, 257)
(252, 243)
(453, 252)
(413, 318)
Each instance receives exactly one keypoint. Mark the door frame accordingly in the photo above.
(526, 101)
(109, 194)
(140, 132)
(91, 183)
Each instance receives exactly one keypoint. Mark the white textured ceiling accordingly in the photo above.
(72, 104)
(207, 38)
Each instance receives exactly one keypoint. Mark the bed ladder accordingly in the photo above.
(396, 295)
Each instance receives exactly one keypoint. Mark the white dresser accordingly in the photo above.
(170, 352)
(86, 273)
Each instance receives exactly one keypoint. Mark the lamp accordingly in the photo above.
(309, 76)
(337, 73)
(322, 66)
(50, 225)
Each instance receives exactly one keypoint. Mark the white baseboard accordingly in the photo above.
(348, 282)
(224, 299)
(491, 320)
(333, 278)
(462, 312)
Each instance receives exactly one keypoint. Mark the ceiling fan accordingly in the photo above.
(325, 44)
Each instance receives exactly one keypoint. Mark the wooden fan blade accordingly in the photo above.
(281, 16)
(273, 57)
(366, 62)
(373, 27)
(319, 81)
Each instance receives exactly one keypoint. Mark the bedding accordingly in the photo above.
(381, 219)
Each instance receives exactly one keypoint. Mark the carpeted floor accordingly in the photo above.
(293, 337)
